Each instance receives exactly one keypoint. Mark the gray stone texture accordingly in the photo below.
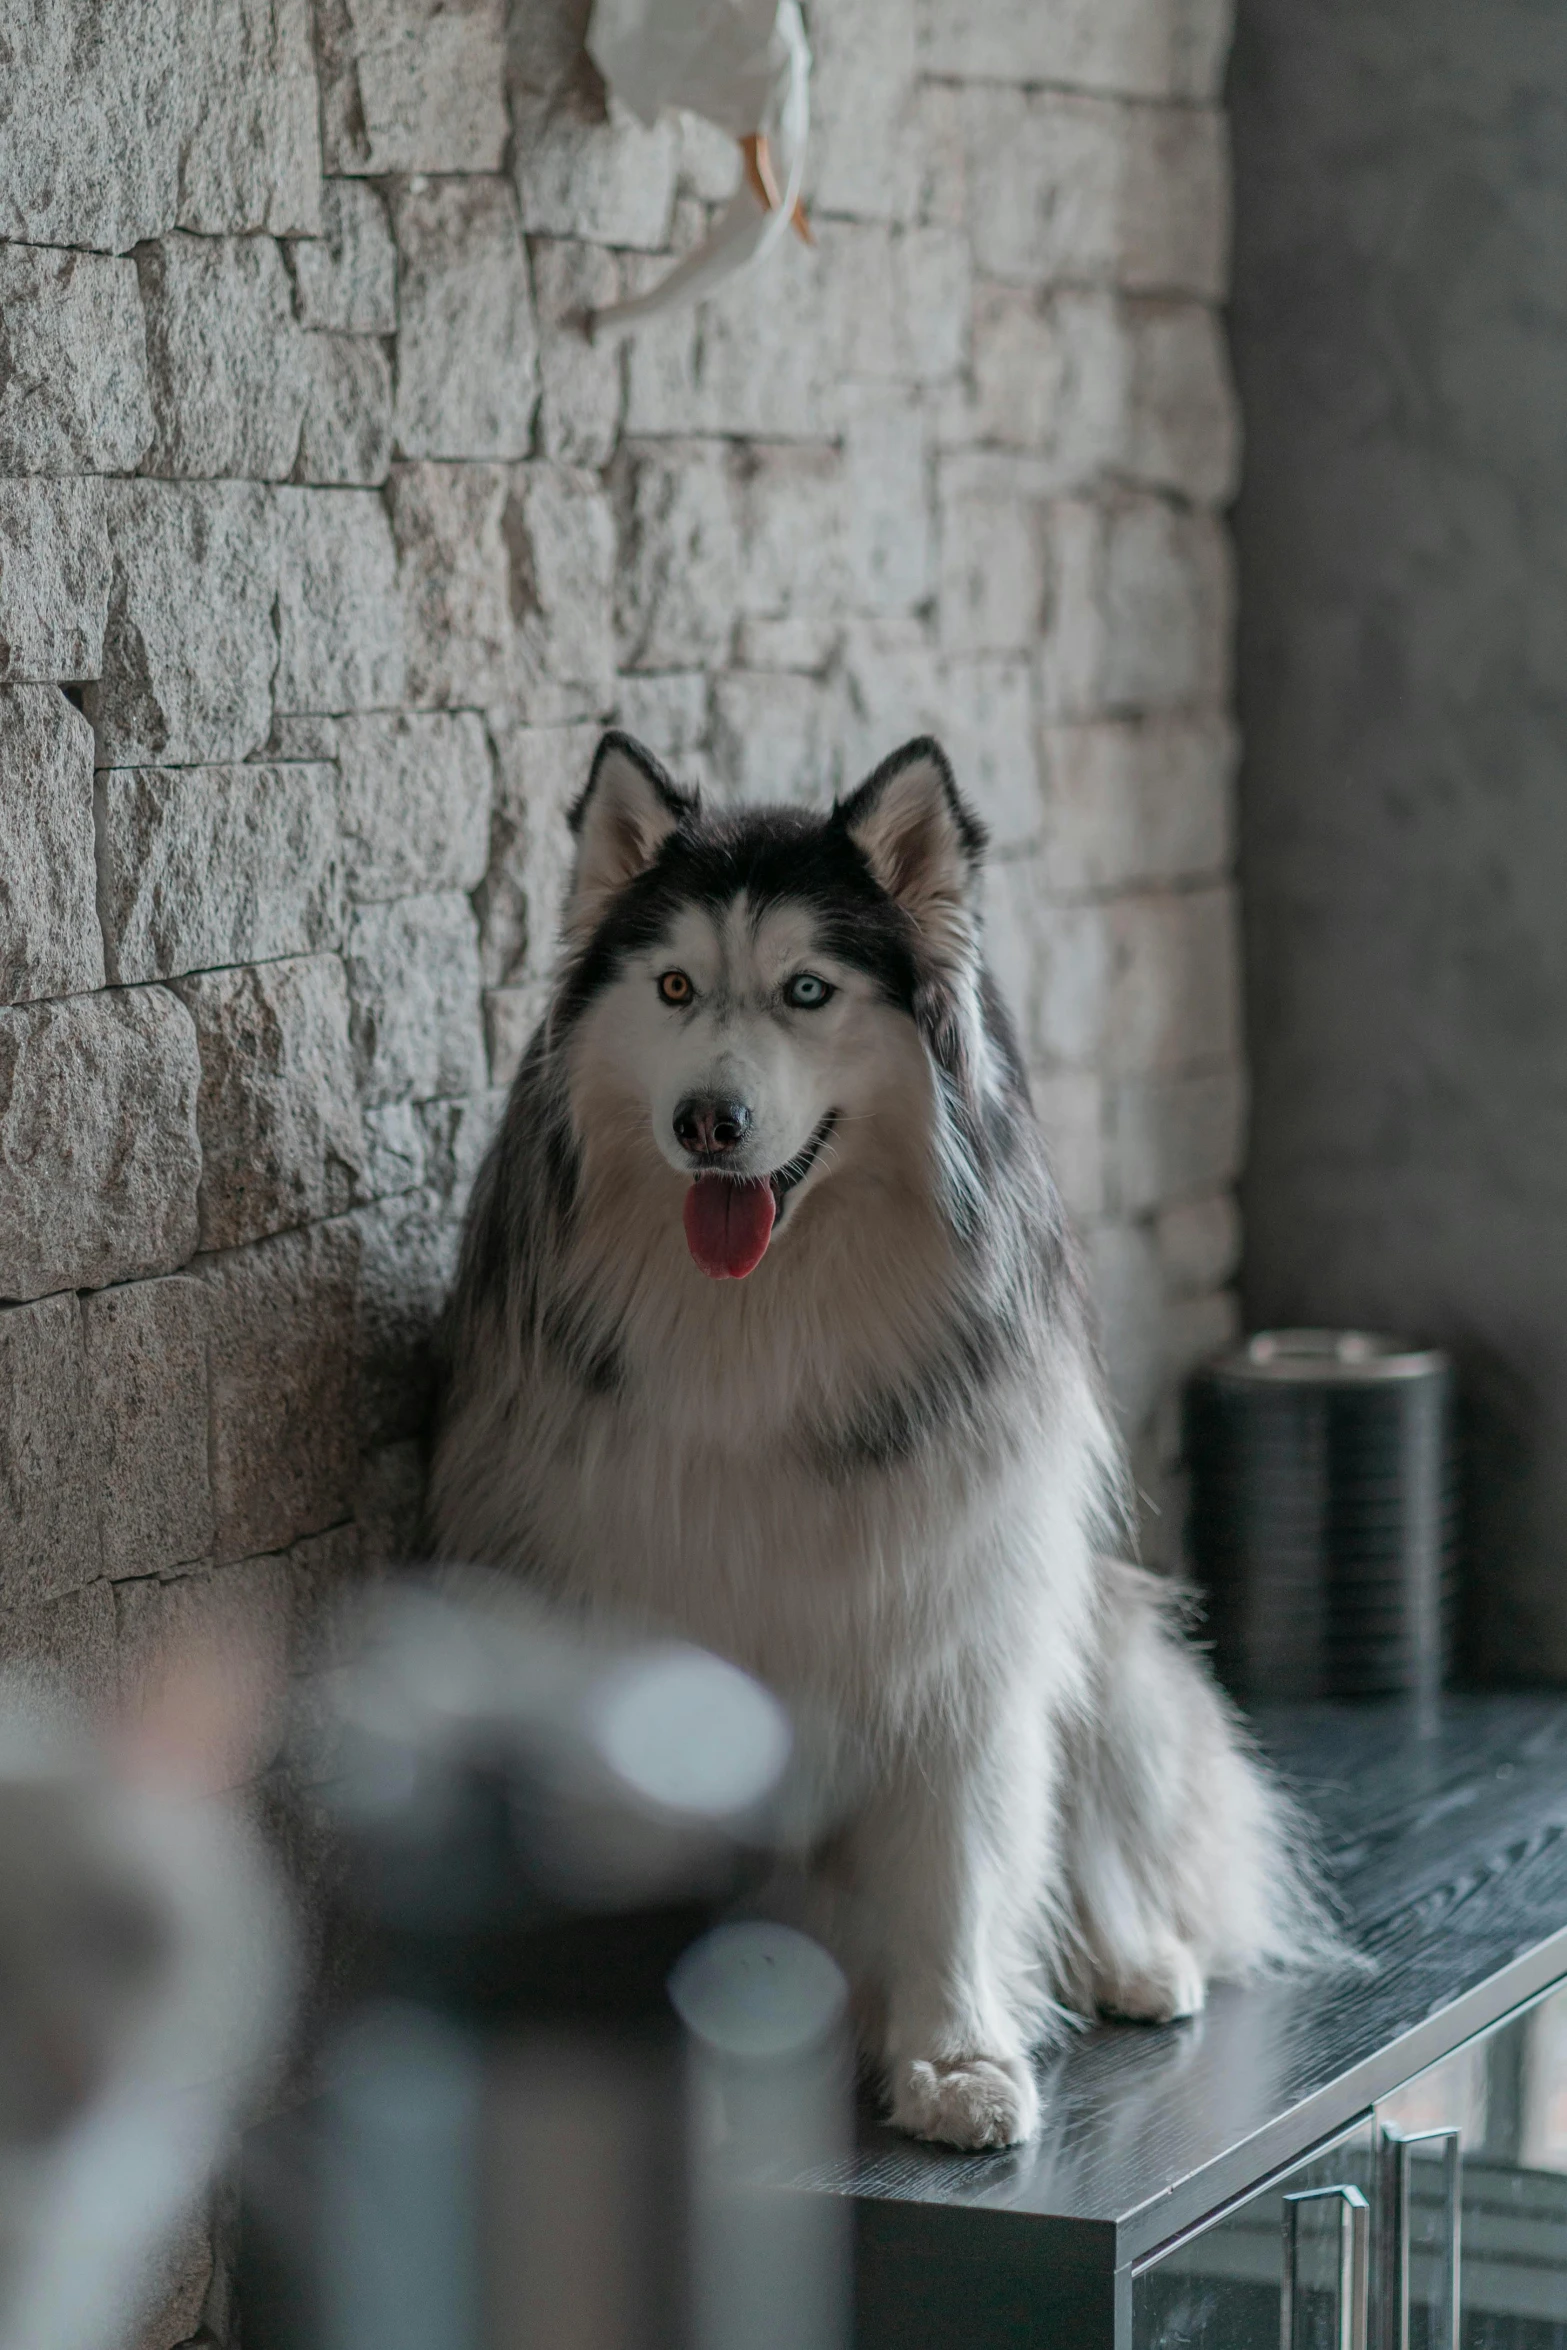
(413, 973)
(280, 1363)
(414, 802)
(467, 346)
(318, 496)
(73, 363)
(48, 1506)
(278, 1114)
(99, 1159)
(200, 866)
(346, 435)
(146, 1372)
(50, 943)
(340, 637)
(54, 579)
(412, 85)
(346, 279)
(224, 358)
(189, 646)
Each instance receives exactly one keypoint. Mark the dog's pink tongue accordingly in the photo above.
(729, 1224)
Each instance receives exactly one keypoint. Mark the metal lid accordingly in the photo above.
(1320, 1358)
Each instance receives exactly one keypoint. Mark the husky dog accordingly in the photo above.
(769, 1330)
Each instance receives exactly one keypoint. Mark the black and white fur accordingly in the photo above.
(880, 1472)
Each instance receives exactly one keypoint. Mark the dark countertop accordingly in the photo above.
(1449, 1855)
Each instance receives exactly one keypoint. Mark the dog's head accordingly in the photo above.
(770, 1000)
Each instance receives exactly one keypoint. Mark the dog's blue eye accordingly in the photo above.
(806, 992)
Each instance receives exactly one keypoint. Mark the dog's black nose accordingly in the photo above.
(708, 1127)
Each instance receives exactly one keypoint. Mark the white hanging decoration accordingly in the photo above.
(744, 65)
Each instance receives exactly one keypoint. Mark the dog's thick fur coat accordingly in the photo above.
(880, 1471)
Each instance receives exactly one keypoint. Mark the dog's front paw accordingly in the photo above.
(1156, 1989)
(966, 2101)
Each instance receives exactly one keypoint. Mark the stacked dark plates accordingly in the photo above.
(1323, 1514)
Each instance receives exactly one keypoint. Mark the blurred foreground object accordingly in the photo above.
(144, 1971)
(1323, 1515)
(744, 65)
(566, 2104)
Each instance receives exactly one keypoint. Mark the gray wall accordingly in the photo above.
(1400, 340)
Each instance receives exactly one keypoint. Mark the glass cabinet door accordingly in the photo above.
(1297, 2254)
(1503, 2099)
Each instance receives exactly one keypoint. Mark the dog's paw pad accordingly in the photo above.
(1159, 1991)
(970, 2102)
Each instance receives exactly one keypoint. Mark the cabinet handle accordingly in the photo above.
(1397, 2166)
(1354, 2279)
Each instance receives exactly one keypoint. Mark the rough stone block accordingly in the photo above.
(457, 1137)
(54, 579)
(73, 363)
(709, 165)
(1141, 611)
(224, 358)
(994, 554)
(559, 531)
(511, 1014)
(345, 280)
(1135, 48)
(281, 1370)
(1052, 375)
(414, 802)
(889, 690)
(68, 1647)
(278, 1113)
(413, 975)
(773, 737)
(50, 943)
(1168, 1137)
(609, 181)
(412, 85)
(791, 524)
(986, 722)
(1086, 190)
(1128, 1293)
(346, 437)
(754, 360)
(189, 648)
(467, 346)
(90, 124)
(1132, 804)
(581, 382)
(860, 324)
(668, 712)
(1183, 430)
(146, 1353)
(540, 773)
(340, 638)
(325, 1572)
(454, 569)
(244, 1612)
(99, 1160)
(888, 533)
(679, 571)
(202, 866)
(250, 149)
(933, 283)
(1199, 1244)
(408, 1263)
(864, 155)
(48, 1510)
(1070, 1107)
(394, 1151)
(1144, 983)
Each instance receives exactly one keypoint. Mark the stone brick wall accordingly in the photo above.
(327, 543)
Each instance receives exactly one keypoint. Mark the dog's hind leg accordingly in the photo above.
(1182, 1855)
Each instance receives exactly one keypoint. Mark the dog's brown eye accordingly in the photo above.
(675, 988)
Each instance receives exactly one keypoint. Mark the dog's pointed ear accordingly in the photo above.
(922, 841)
(624, 817)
